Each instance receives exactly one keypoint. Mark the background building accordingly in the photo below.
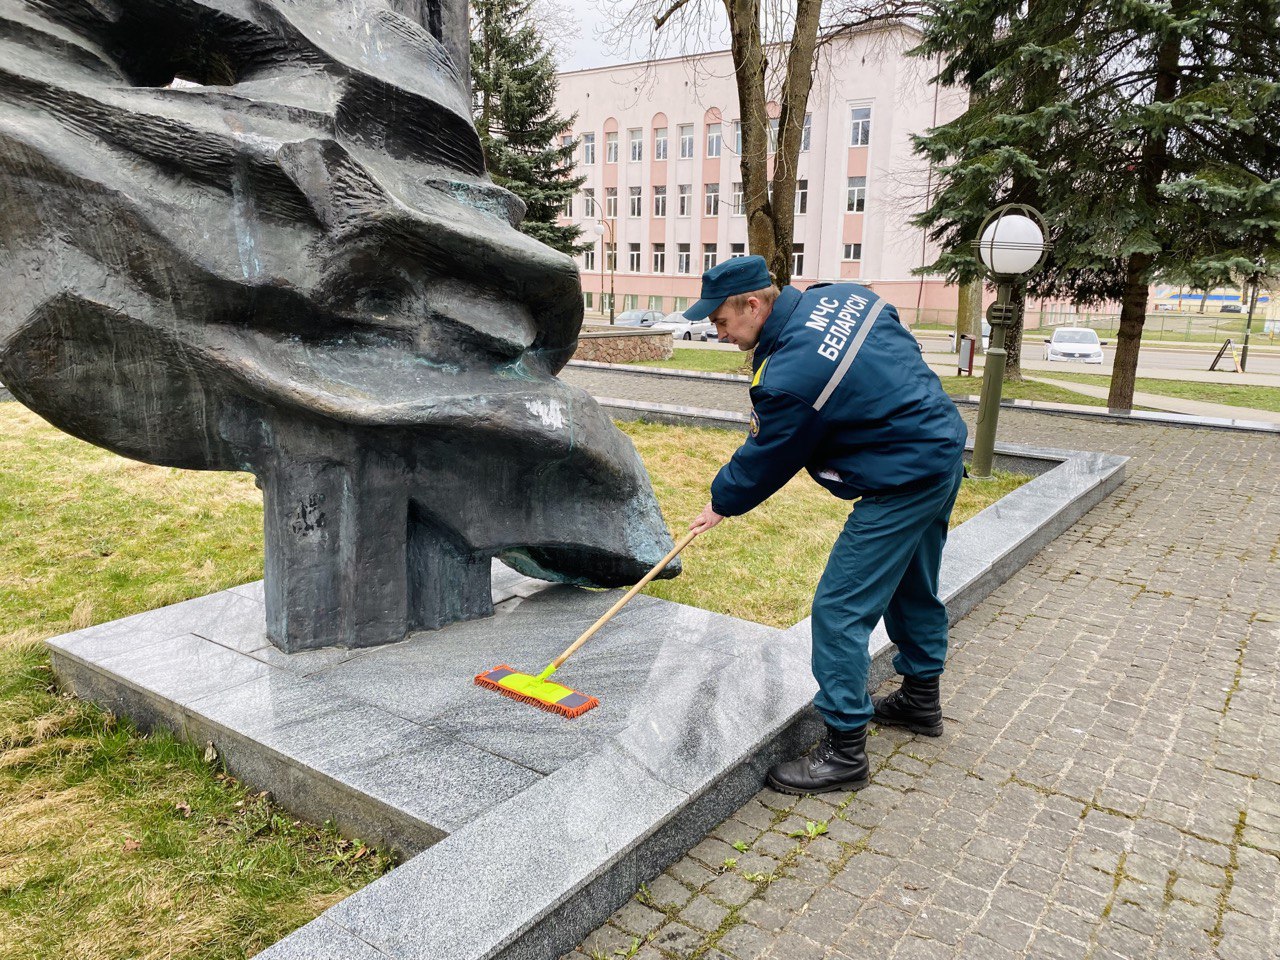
(659, 145)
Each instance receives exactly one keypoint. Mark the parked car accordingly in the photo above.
(1074, 343)
(682, 328)
(986, 337)
(638, 318)
(1231, 308)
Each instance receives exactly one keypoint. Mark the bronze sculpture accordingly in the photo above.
(257, 235)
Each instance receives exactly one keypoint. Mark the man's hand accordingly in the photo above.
(707, 519)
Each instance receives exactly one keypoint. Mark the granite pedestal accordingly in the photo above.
(528, 829)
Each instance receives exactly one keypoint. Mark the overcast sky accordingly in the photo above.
(588, 48)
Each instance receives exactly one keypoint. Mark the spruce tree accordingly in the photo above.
(1145, 132)
(513, 76)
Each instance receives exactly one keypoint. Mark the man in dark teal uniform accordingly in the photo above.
(840, 388)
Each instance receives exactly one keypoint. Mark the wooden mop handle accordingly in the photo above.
(684, 542)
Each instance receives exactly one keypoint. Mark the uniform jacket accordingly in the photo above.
(840, 388)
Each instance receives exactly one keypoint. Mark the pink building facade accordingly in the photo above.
(658, 144)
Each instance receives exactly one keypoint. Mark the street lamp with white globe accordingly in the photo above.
(1010, 247)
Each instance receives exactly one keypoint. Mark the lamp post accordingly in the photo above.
(601, 227)
(1010, 246)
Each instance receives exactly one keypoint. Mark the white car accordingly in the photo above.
(1074, 344)
(682, 328)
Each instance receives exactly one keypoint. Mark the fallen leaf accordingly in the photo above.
(210, 753)
(131, 845)
(183, 808)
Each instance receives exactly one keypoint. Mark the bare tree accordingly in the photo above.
(774, 46)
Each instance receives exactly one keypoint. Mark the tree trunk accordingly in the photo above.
(749, 65)
(794, 100)
(771, 223)
(1154, 166)
(969, 314)
(1133, 314)
(1013, 342)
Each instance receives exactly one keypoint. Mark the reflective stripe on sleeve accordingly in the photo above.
(847, 361)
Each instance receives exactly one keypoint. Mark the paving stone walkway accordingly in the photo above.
(1109, 782)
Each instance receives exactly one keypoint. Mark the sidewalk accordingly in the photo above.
(1107, 786)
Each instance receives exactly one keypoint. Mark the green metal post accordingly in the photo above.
(984, 441)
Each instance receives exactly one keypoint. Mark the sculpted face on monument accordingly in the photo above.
(257, 235)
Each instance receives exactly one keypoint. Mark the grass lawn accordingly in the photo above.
(1026, 390)
(117, 845)
(762, 566)
(1259, 398)
(702, 361)
(722, 361)
(1235, 395)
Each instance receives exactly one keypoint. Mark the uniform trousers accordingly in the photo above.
(885, 563)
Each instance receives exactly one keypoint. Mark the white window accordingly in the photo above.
(797, 260)
(655, 303)
(588, 148)
(711, 204)
(589, 258)
(713, 139)
(737, 250)
(610, 148)
(566, 142)
(684, 200)
(611, 256)
(586, 299)
(637, 145)
(636, 207)
(773, 134)
(659, 258)
(853, 251)
(659, 201)
(686, 141)
(589, 208)
(633, 257)
(610, 202)
(708, 256)
(739, 200)
(860, 135)
(682, 258)
(682, 304)
(737, 137)
(660, 143)
(802, 196)
(606, 303)
(631, 302)
(568, 206)
(806, 134)
(857, 199)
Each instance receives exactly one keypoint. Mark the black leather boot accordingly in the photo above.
(916, 705)
(839, 762)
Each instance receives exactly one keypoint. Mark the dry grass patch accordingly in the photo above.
(763, 566)
(117, 845)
